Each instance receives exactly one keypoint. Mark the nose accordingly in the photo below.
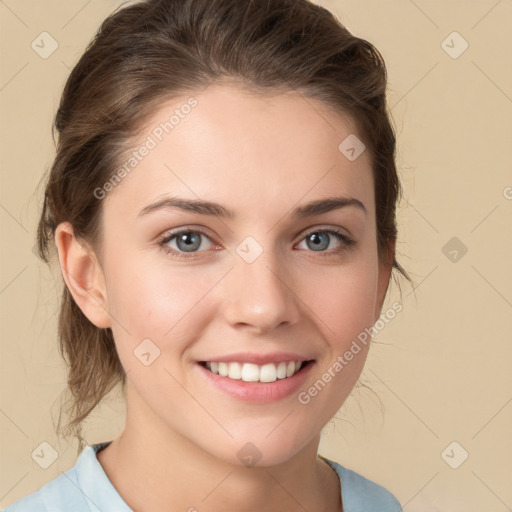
(260, 295)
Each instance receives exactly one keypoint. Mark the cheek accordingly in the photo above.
(343, 300)
(149, 301)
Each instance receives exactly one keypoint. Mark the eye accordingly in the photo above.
(186, 243)
(321, 240)
(179, 243)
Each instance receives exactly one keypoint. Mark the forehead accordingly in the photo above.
(240, 149)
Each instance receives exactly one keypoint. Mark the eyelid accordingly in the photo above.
(172, 234)
(204, 231)
(346, 241)
(336, 229)
(169, 233)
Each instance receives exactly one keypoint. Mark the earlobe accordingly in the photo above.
(82, 275)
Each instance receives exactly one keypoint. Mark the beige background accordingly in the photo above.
(442, 367)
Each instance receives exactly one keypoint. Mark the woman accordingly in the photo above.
(223, 206)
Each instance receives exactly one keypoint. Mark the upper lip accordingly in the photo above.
(259, 359)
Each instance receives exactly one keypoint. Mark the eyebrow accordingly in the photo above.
(310, 209)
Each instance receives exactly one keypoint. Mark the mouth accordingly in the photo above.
(250, 372)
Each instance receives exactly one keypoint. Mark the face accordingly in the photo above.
(260, 277)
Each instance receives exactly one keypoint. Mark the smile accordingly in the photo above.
(250, 372)
(256, 383)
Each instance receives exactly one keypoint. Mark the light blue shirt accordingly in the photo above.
(86, 488)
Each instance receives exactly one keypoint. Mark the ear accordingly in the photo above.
(385, 269)
(83, 275)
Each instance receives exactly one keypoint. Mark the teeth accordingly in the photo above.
(223, 369)
(235, 371)
(281, 371)
(249, 372)
(268, 373)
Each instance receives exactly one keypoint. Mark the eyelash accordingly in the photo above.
(347, 242)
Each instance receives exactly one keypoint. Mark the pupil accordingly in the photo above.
(315, 238)
(190, 241)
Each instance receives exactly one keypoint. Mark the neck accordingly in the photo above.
(156, 469)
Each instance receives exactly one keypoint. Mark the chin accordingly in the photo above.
(257, 449)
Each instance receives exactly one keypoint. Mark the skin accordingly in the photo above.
(260, 156)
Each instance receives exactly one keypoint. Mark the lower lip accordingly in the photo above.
(258, 392)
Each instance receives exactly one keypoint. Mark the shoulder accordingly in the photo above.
(79, 489)
(59, 494)
(360, 494)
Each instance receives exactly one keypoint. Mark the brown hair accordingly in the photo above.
(154, 50)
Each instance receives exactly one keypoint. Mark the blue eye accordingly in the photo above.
(320, 240)
(186, 243)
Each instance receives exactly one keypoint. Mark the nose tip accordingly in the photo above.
(260, 296)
